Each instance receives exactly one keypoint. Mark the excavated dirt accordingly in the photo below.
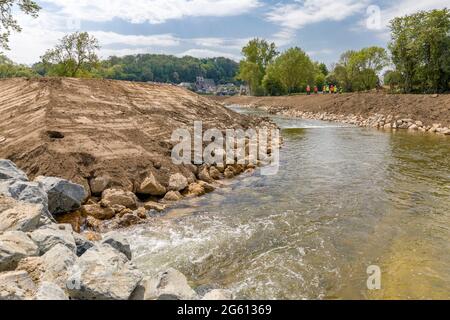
(429, 109)
(81, 129)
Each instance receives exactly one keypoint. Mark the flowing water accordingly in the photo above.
(345, 198)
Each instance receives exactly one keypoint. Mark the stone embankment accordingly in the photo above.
(43, 260)
(114, 138)
(413, 112)
(380, 121)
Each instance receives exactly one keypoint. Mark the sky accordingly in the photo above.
(211, 28)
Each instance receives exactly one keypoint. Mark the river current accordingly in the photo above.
(345, 198)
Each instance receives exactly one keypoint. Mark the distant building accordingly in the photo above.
(203, 85)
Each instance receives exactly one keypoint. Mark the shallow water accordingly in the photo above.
(345, 198)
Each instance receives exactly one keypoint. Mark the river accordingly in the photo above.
(345, 198)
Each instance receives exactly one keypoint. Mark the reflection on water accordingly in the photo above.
(345, 198)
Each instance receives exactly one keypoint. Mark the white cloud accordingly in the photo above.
(405, 7)
(39, 35)
(152, 11)
(297, 15)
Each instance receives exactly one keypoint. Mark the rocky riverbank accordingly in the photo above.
(425, 113)
(96, 156)
(43, 260)
(114, 138)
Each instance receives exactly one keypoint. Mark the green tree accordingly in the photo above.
(420, 49)
(272, 82)
(358, 70)
(323, 68)
(74, 56)
(393, 79)
(9, 69)
(7, 22)
(295, 69)
(258, 54)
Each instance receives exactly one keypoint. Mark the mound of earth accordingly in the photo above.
(80, 129)
(429, 109)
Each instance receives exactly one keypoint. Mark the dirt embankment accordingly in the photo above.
(82, 129)
(429, 109)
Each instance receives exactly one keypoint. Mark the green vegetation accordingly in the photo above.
(420, 53)
(258, 55)
(165, 68)
(358, 70)
(7, 21)
(420, 50)
(9, 69)
(74, 56)
(418, 59)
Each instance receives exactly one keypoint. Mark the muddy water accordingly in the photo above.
(345, 198)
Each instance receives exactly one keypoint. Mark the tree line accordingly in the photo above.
(75, 56)
(417, 60)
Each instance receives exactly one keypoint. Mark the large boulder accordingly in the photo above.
(19, 216)
(111, 197)
(14, 246)
(30, 192)
(152, 187)
(103, 273)
(49, 236)
(8, 170)
(54, 266)
(63, 196)
(178, 182)
(16, 285)
(218, 294)
(168, 285)
(49, 291)
(118, 242)
(58, 263)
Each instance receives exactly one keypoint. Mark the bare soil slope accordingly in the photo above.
(80, 129)
(427, 108)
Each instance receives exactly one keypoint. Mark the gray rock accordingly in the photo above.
(118, 242)
(57, 264)
(14, 246)
(82, 243)
(103, 273)
(49, 236)
(8, 170)
(218, 294)
(16, 285)
(169, 285)
(50, 291)
(63, 196)
(19, 216)
(178, 182)
(29, 192)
